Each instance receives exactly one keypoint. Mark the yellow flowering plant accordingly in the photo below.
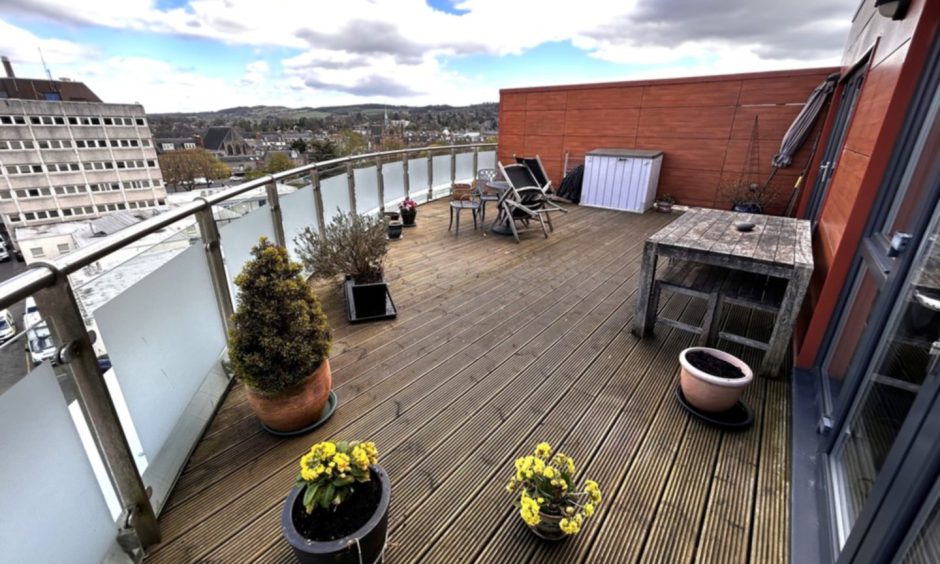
(331, 470)
(545, 482)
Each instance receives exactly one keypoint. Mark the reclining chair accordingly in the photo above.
(524, 200)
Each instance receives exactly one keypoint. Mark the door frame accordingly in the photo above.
(905, 480)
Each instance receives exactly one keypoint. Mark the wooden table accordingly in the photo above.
(778, 246)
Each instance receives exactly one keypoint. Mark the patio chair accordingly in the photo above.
(524, 200)
(541, 177)
(484, 175)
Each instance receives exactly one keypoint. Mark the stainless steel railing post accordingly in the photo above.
(380, 184)
(274, 203)
(430, 176)
(476, 161)
(213, 245)
(60, 309)
(351, 183)
(453, 167)
(318, 200)
(404, 172)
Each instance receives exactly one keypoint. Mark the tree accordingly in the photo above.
(322, 150)
(278, 162)
(184, 167)
(393, 143)
(299, 145)
(351, 143)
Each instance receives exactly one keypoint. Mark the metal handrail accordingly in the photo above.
(43, 274)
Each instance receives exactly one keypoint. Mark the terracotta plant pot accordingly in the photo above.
(712, 393)
(297, 409)
(364, 545)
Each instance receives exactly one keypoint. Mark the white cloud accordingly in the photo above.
(22, 47)
(396, 50)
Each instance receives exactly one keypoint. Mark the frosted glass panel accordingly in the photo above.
(465, 167)
(487, 159)
(418, 178)
(161, 363)
(297, 212)
(335, 194)
(393, 173)
(441, 170)
(367, 191)
(53, 509)
(240, 236)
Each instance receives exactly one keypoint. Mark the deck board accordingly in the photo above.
(499, 346)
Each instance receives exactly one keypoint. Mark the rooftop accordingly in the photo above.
(491, 354)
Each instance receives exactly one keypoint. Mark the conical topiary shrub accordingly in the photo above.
(279, 345)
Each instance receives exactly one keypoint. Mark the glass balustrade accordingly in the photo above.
(161, 339)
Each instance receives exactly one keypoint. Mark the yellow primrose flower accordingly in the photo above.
(549, 472)
(543, 450)
(570, 526)
(589, 509)
(342, 462)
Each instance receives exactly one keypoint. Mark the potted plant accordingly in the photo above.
(279, 345)
(337, 511)
(712, 380)
(409, 210)
(393, 225)
(354, 246)
(548, 501)
(664, 203)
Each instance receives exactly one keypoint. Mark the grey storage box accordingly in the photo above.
(621, 179)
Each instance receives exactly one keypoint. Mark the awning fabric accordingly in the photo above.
(803, 123)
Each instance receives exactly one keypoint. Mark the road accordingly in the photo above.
(12, 357)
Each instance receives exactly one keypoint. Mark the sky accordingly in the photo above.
(196, 55)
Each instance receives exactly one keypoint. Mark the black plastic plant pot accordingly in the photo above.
(368, 302)
(408, 217)
(394, 230)
(366, 544)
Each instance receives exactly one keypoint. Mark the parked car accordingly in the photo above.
(104, 363)
(39, 344)
(7, 325)
(4, 253)
(31, 314)
(18, 254)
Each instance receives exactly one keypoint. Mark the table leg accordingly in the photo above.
(783, 325)
(645, 316)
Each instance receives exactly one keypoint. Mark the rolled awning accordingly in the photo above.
(803, 123)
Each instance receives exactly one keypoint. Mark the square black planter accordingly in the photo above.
(368, 302)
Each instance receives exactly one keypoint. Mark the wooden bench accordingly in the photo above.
(695, 280)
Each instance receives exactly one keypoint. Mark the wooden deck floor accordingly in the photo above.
(497, 347)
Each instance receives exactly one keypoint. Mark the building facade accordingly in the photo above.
(62, 160)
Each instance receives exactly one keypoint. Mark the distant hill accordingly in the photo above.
(251, 118)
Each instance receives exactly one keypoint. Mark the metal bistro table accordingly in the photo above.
(500, 225)
(777, 246)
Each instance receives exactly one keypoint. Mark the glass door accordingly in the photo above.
(830, 160)
(888, 342)
(905, 355)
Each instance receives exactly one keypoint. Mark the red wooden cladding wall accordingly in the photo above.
(702, 124)
(897, 51)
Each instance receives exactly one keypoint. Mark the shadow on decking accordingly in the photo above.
(499, 346)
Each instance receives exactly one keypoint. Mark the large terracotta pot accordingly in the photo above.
(711, 393)
(299, 408)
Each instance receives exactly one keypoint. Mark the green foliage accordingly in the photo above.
(278, 162)
(280, 334)
(299, 145)
(322, 150)
(352, 244)
(186, 165)
(352, 143)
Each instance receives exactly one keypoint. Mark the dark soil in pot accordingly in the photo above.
(713, 365)
(328, 524)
